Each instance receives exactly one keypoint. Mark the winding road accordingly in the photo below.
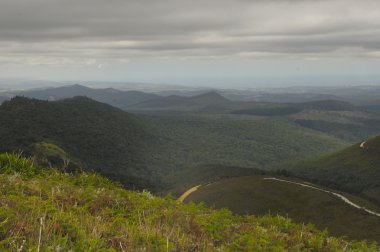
(340, 196)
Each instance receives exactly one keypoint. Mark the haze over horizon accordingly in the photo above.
(225, 43)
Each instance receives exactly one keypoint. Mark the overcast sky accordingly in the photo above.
(195, 42)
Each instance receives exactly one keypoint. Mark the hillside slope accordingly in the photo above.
(94, 135)
(45, 210)
(260, 195)
(188, 141)
(355, 169)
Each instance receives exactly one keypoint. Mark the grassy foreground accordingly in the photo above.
(46, 210)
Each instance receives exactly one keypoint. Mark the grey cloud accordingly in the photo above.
(179, 28)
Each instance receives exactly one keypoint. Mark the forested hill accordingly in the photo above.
(95, 136)
(144, 151)
(355, 169)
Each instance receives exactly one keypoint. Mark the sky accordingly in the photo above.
(219, 43)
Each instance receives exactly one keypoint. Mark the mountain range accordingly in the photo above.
(144, 150)
(168, 144)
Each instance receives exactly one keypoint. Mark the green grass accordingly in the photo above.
(51, 211)
(253, 195)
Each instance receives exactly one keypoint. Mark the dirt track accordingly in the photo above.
(187, 193)
(340, 196)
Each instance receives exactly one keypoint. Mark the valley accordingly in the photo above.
(189, 126)
(230, 153)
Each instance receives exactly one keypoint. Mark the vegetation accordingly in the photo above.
(355, 169)
(329, 105)
(271, 111)
(145, 151)
(44, 210)
(353, 131)
(49, 154)
(285, 109)
(95, 136)
(190, 141)
(255, 195)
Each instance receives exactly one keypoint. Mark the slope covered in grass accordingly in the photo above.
(43, 209)
(258, 195)
(355, 169)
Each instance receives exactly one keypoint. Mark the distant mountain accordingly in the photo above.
(200, 102)
(114, 97)
(206, 102)
(210, 98)
(361, 95)
(94, 135)
(355, 169)
(172, 102)
(287, 97)
(214, 102)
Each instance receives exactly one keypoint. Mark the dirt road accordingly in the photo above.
(187, 193)
(340, 196)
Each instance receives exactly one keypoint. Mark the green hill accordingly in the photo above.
(188, 141)
(46, 210)
(94, 135)
(355, 169)
(144, 151)
(258, 195)
(201, 174)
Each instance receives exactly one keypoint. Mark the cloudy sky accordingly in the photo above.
(197, 42)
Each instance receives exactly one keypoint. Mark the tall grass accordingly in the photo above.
(16, 163)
